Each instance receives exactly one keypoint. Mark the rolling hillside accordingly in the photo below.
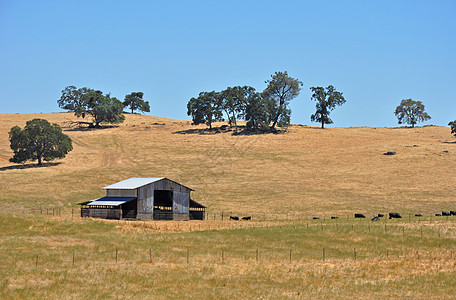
(303, 172)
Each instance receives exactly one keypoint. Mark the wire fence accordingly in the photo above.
(232, 216)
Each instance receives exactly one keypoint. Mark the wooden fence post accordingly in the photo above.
(73, 258)
(290, 256)
(257, 255)
(188, 255)
(354, 252)
(150, 255)
(36, 261)
(116, 255)
(223, 256)
(323, 254)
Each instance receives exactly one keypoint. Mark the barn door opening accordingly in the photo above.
(129, 210)
(163, 205)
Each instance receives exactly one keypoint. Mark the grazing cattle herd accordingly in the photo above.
(235, 218)
(391, 215)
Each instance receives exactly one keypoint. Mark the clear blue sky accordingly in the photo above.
(375, 52)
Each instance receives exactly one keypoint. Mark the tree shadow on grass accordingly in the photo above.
(86, 128)
(242, 130)
(29, 166)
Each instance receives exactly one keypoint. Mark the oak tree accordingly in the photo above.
(281, 90)
(410, 112)
(39, 140)
(453, 127)
(207, 108)
(327, 100)
(136, 102)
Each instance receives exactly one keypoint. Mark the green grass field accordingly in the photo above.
(283, 260)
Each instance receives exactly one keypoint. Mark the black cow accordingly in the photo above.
(438, 215)
(380, 215)
(375, 219)
(234, 218)
(315, 218)
(418, 215)
(394, 216)
(334, 218)
(359, 216)
(247, 218)
(453, 212)
(445, 213)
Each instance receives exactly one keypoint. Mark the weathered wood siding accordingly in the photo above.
(181, 202)
(146, 199)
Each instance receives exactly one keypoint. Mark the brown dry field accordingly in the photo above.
(303, 172)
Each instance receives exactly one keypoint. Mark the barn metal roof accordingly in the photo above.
(133, 183)
(136, 182)
(112, 201)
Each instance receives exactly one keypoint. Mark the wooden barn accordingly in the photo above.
(145, 199)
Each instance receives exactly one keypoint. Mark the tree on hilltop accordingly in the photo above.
(281, 90)
(104, 108)
(327, 100)
(234, 101)
(85, 101)
(135, 102)
(72, 99)
(453, 127)
(207, 108)
(410, 112)
(39, 140)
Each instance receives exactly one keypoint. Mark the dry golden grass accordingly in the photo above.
(304, 172)
(280, 179)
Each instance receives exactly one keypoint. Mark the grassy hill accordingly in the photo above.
(284, 178)
(303, 172)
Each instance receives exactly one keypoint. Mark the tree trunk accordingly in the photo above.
(277, 116)
(132, 110)
(322, 124)
(39, 161)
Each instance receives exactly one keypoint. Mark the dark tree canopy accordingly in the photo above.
(85, 101)
(256, 112)
(104, 109)
(327, 100)
(39, 140)
(72, 99)
(281, 89)
(234, 100)
(136, 102)
(410, 112)
(207, 108)
(453, 127)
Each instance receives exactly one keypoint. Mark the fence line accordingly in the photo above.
(260, 256)
(224, 216)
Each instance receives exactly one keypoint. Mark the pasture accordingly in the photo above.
(282, 180)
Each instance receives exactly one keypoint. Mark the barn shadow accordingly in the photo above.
(29, 166)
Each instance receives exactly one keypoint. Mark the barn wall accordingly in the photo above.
(121, 193)
(103, 213)
(146, 198)
(181, 202)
